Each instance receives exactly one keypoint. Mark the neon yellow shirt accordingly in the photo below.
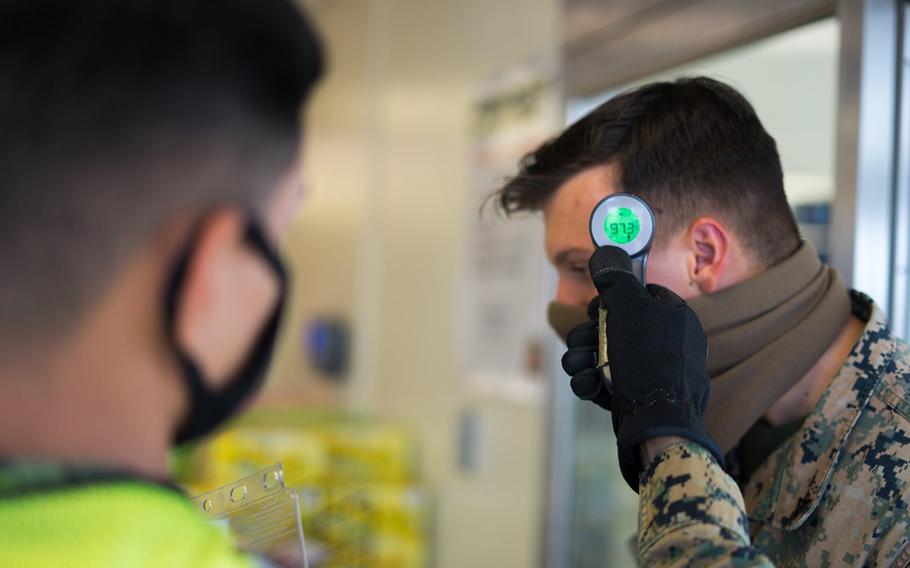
(57, 517)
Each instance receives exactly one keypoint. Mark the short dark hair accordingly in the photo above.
(689, 147)
(119, 116)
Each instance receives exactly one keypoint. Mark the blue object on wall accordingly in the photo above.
(327, 346)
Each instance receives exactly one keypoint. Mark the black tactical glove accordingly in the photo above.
(657, 352)
(580, 362)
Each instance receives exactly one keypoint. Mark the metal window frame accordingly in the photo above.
(900, 284)
(862, 228)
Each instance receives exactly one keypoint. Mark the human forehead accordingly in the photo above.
(567, 212)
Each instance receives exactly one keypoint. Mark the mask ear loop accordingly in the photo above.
(210, 408)
(172, 295)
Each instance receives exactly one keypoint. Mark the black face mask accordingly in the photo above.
(209, 408)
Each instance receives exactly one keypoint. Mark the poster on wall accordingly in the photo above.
(507, 281)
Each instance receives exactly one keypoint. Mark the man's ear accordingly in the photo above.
(225, 296)
(709, 242)
(213, 237)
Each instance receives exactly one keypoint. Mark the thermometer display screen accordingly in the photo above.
(621, 225)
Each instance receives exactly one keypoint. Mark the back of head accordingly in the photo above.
(690, 147)
(117, 118)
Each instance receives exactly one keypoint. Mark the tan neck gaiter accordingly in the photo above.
(764, 335)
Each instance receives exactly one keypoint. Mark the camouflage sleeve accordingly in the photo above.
(691, 513)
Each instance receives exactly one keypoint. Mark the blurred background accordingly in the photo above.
(416, 399)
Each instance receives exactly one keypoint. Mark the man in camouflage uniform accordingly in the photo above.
(834, 494)
(819, 474)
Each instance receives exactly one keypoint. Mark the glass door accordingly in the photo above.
(792, 80)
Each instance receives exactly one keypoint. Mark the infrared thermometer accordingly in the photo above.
(626, 222)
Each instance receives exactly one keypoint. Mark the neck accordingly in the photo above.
(108, 396)
(802, 397)
(114, 423)
(64, 424)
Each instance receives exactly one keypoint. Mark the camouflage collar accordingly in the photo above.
(804, 465)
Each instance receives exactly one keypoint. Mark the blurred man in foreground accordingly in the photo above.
(809, 389)
(147, 154)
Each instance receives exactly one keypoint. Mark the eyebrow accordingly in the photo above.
(563, 255)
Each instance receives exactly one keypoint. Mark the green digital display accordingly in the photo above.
(621, 225)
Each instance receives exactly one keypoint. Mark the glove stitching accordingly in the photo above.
(605, 270)
(650, 398)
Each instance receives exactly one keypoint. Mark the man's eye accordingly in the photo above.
(579, 270)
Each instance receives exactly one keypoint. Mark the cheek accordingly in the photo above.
(574, 290)
(281, 210)
(671, 273)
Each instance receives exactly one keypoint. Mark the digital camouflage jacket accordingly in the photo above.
(836, 493)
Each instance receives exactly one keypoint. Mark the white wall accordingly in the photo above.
(382, 239)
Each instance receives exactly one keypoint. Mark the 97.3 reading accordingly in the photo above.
(621, 225)
(627, 229)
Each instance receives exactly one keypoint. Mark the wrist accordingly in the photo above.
(653, 446)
